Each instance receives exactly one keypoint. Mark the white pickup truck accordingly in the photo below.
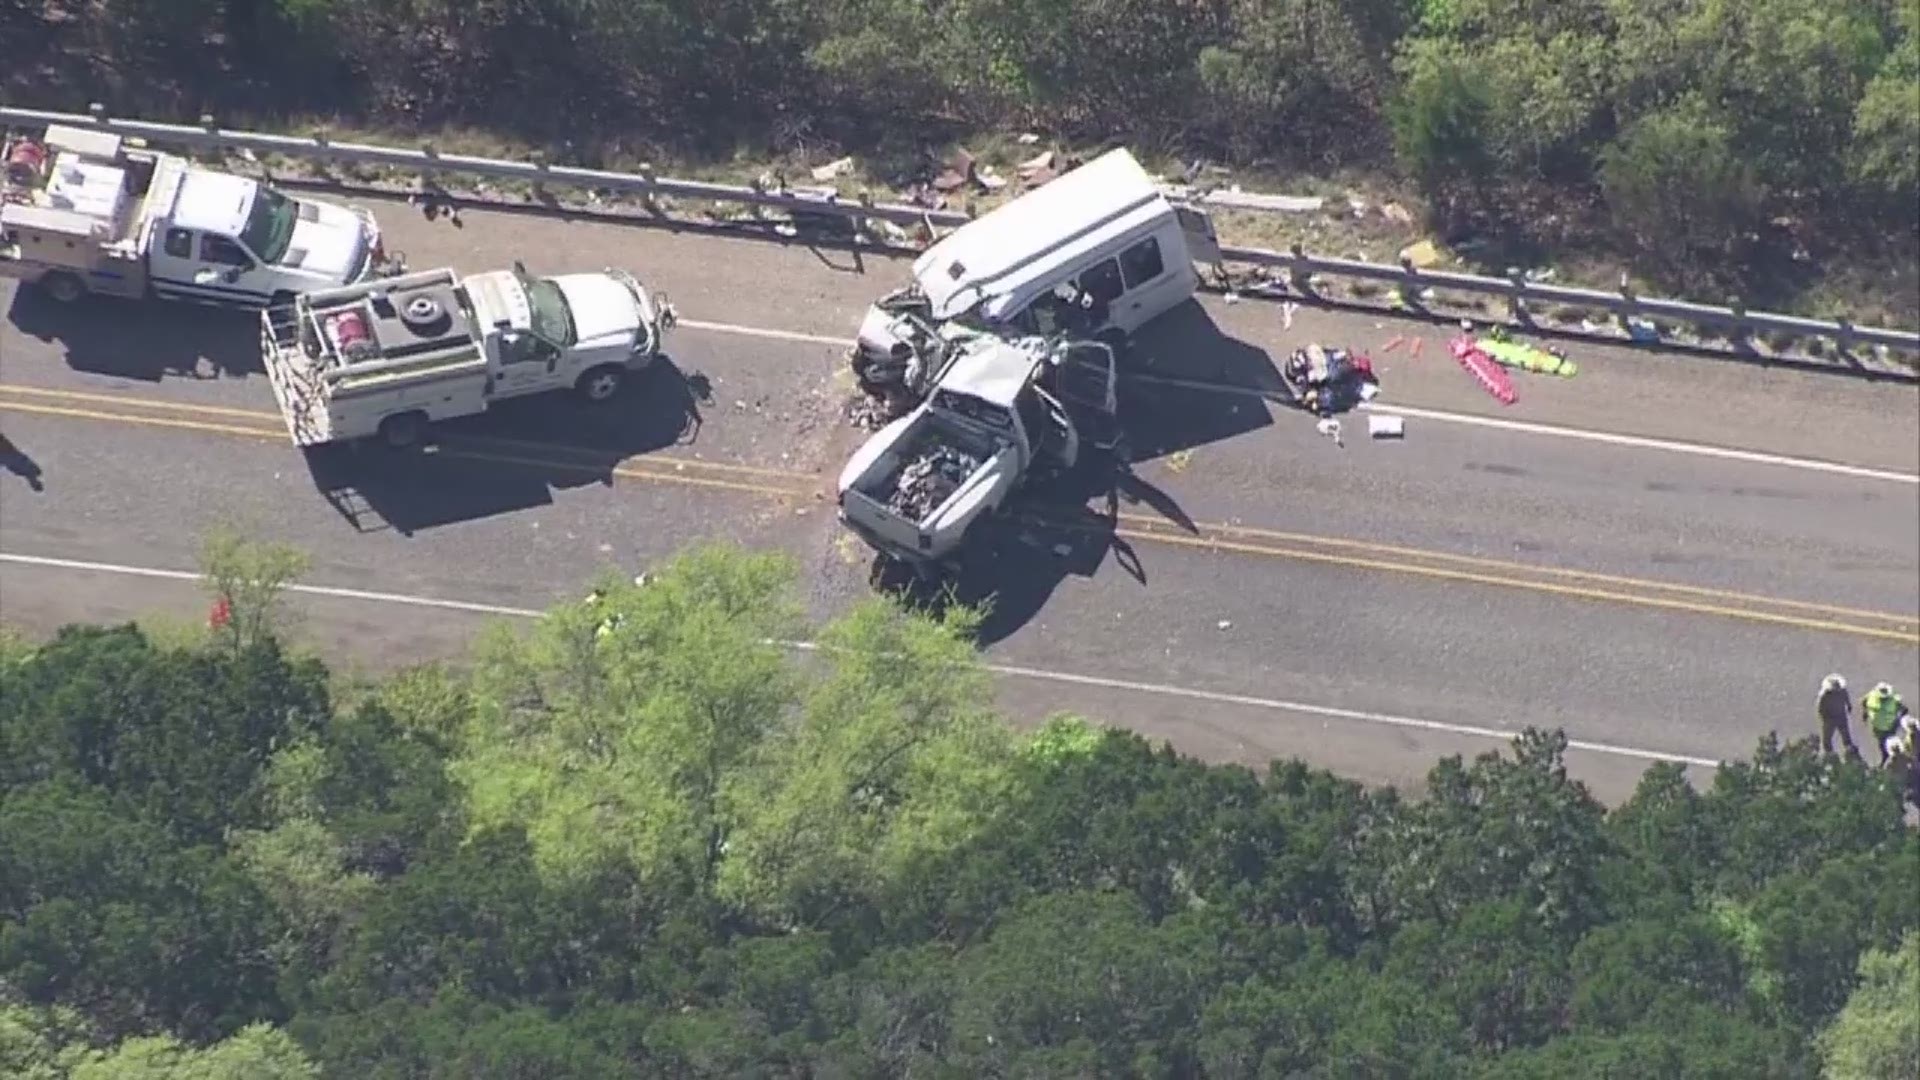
(383, 359)
(84, 212)
(1003, 410)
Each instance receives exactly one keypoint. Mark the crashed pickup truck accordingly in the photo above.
(1002, 412)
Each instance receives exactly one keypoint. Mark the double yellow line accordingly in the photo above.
(788, 485)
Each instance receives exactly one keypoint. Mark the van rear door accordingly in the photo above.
(1203, 243)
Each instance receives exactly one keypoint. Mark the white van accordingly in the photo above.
(1102, 238)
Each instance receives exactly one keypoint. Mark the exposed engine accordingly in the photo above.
(929, 480)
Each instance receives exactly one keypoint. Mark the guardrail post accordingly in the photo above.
(863, 225)
(1405, 294)
(540, 165)
(1517, 299)
(1299, 278)
(1739, 334)
(649, 198)
(1844, 337)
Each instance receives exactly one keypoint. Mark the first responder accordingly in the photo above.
(1882, 710)
(1835, 707)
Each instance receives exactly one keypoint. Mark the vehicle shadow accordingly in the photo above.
(1161, 414)
(136, 339)
(1063, 529)
(513, 457)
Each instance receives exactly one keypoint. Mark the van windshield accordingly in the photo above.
(552, 318)
(269, 229)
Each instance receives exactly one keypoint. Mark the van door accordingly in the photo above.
(1203, 243)
(223, 273)
(526, 364)
(1158, 275)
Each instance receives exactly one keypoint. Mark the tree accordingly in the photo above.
(1679, 181)
(1877, 1035)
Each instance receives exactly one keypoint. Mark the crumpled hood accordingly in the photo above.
(605, 314)
(328, 240)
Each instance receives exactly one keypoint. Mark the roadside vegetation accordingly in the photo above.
(1764, 149)
(634, 839)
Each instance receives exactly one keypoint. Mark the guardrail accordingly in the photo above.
(1410, 286)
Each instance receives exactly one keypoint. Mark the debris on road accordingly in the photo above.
(1524, 357)
(1179, 460)
(1286, 313)
(1331, 429)
(1225, 624)
(1328, 380)
(929, 479)
(1382, 426)
(1485, 371)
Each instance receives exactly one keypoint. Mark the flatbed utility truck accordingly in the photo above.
(89, 212)
(383, 359)
(1003, 411)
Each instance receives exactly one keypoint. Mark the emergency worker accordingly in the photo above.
(1882, 710)
(1835, 708)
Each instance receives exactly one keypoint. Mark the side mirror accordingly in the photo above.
(233, 274)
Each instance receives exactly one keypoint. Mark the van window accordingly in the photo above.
(1103, 282)
(1142, 262)
(178, 244)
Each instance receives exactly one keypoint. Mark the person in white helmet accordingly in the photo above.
(1835, 708)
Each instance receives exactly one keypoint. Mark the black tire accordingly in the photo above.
(63, 287)
(403, 431)
(600, 384)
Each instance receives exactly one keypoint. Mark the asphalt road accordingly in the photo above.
(1260, 579)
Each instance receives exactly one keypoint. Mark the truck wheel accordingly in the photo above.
(63, 286)
(402, 431)
(601, 383)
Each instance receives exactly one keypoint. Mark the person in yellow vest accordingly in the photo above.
(1882, 710)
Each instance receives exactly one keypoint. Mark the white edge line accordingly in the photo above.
(1009, 670)
(1639, 442)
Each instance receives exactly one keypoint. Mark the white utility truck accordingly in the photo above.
(84, 211)
(384, 358)
(1096, 252)
(1003, 411)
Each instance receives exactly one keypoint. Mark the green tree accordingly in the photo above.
(1680, 182)
(1877, 1035)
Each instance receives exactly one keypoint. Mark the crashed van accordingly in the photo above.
(1097, 252)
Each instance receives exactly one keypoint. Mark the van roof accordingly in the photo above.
(1030, 237)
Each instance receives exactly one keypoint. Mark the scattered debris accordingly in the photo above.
(868, 413)
(833, 170)
(1424, 255)
(1386, 427)
(1063, 550)
(1397, 214)
(1028, 139)
(1417, 343)
(957, 172)
(1038, 169)
(1399, 340)
(1330, 427)
(991, 180)
(929, 480)
(1225, 624)
(1521, 356)
(1179, 460)
(1286, 313)
(1485, 371)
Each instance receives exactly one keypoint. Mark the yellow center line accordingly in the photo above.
(1143, 521)
(275, 419)
(1137, 527)
(1581, 592)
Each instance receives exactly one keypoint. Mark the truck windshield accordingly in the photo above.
(552, 319)
(269, 229)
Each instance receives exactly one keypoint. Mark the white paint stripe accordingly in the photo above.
(754, 331)
(1066, 678)
(1638, 442)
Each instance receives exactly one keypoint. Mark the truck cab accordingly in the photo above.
(88, 212)
(1003, 412)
